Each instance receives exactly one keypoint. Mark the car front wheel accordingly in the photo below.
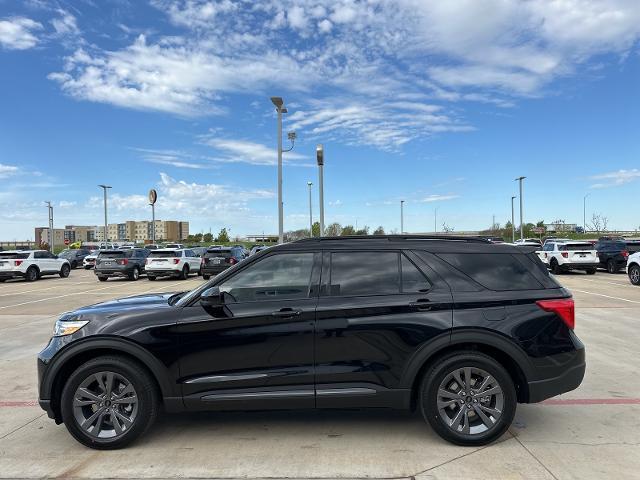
(108, 402)
(634, 274)
(468, 398)
(64, 271)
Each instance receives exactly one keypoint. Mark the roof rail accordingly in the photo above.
(391, 238)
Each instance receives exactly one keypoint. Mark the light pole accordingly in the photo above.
(513, 225)
(104, 188)
(401, 217)
(310, 212)
(520, 179)
(435, 220)
(320, 159)
(51, 233)
(280, 108)
(584, 213)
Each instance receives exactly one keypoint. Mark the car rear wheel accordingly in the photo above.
(555, 267)
(206, 277)
(135, 274)
(591, 271)
(108, 402)
(612, 267)
(151, 277)
(634, 274)
(468, 398)
(184, 274)
(31, 275)
(87, 267)
(102, 278)
(64, 271)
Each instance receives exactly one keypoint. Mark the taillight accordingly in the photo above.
(146, 261)
(176, 261)
(233, 261)
(563, 307)
(625, 254)
(122, 262)
(202, 261)
(18, 262)
(565, 254)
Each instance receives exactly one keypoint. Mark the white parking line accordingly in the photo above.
(610, 283)
(606, 296)
(40, 289)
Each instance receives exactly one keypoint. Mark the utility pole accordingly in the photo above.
(104, 188)
(51, 232)
(584, 213)
(435, 220)
(401, 217)
(320, 159)
(493, 225)
(520, 179)
(153, 197)
(310, 212)
(513, 225)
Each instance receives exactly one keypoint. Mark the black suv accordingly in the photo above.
(217, 260)
(74, 256)
(612, 254)
(459, 328)
(127, 263)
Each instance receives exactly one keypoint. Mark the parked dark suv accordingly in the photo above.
(74, 256)
(458, 328)
(216, 260)
(127, 263)
(612, 254)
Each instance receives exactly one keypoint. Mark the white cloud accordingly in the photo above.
(335, 203)
(173, 158)
(615, 179)
(439, 198)
(242, 151)
(65, 24)
(7, 170)
(66, 204)
(18, 33)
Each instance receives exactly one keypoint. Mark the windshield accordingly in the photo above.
(164, 254)
(14, 255)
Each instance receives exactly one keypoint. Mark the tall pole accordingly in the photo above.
(513, 225)
(320, 159)
(435, 220)
(584, 213)
(520, 179)
(401, 217)
(310, 212)
(280, 206)
(153, 223)
(104, 188)
(51, 233)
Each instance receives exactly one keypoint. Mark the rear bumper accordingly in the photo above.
(162, 273)
(579, 266)
(7, 275)
(214, 270)
(565, 377)
(112, 272)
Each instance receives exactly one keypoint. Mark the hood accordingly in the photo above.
(137, 302)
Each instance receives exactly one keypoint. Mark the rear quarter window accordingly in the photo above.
(495, 271)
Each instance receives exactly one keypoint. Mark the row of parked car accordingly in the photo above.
(173, 260)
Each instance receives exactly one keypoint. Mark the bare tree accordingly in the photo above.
(599, 223)
(446, 228)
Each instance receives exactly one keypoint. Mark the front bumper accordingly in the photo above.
(566, 374)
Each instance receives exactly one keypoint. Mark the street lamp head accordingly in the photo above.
(520, 178)
(104, 186)
(292, 136)
(320, 154)
(277, 101)
(309, 183)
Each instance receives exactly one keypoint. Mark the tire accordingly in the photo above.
(555, 267)
(151, 277)
(32, 274)
(2, 280)
(102, 278)
(206, 277)
(634, 274)
(135, 274)
(441, 375)
(125, 375)
(612, 266)
(184, 274)
(64, 271)
(87, 267)
(591, 271)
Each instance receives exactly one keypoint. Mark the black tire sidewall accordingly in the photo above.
(28, 276)
(634, 268)
(145, 391)
(429, 391)
(64, 271)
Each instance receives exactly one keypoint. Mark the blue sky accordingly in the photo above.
(441, 104)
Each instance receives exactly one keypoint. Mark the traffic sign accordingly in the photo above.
(67, 241)
(153, 196)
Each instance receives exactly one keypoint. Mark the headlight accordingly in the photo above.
(67, 327)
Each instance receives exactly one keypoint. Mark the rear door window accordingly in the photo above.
(495, 271)
(364, 273)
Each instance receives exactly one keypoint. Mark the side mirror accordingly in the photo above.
(211, 297)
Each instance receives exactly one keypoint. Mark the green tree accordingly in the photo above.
(363, 231)
(333, 230)
(348, 230)
(207, 238)
(223, 236)
(315, 230)
(198, 237)
(379, 231)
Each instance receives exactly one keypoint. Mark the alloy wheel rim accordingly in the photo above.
(105, 405)
(470, 401)
(635, 275)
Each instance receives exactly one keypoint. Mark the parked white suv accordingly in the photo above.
(633, 268)
(168, 262)
(31, 265)
(569, 255)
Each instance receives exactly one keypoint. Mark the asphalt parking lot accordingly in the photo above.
(591, 432)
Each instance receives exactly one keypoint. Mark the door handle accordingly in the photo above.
(286, 313)
(422, 305)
